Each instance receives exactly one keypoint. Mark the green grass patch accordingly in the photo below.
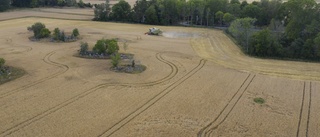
(259, 100)
(14, 74)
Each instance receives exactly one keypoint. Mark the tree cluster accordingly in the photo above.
(5, 4)
(40, 31)
(103, 47)
(192, 12)
(293, 33)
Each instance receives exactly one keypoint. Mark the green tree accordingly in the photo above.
(83, 48)
(102, 11)
(4, 5)
(71, 3)
(139, 10)
(169, 12)
(302, 12)
(151, 16)
(112, 47)
(264, 44)
(241, 30)
(100, 47)
(56, 34)
(115, 60)
(44, 33)
(75, 32)
(121, 11)
(219, 15)
(21, 3)
(2, 62)
(228, 18)
(36, 28)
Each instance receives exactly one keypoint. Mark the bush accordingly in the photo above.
(109, 46)
(259, 100)
(75, 32)
(112, 46)
(100, 47)
(115, 60)
(83, 48)
(2, 61)
(36, 28)
(56, 34)
(44, 33)
(62, 36)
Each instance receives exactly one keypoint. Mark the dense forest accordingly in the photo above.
(265, 28)
(268, 28)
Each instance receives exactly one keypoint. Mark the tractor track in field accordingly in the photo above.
(9, 41)
(173, 73)
(47, 60)
(304, 117)
(152, 101)
(207, 130)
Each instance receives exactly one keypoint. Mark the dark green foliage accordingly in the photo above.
(83, 48)
(2, 62)
(112, 47)
(21, 3)
(121, 11)
(100, 47)
(75, 32)
(4, 5)
(264, 44)
(151, 16)
(56, 34)
(259, 100)
(115, 60)
(108, 46)
(37, 28)
(139, 10)
(81, 4)
(102, 11)
(44, 33)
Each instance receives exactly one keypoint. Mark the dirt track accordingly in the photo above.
(202, 86)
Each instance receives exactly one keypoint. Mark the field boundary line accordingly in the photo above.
(207, 130)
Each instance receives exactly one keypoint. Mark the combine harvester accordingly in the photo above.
(154, 31)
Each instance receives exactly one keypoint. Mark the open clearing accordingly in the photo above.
(194, 85)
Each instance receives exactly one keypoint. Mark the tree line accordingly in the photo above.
(7, 4)
(192, 12)
(294, 33)
(268, 28)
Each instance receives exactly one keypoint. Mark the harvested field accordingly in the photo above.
(197, 83)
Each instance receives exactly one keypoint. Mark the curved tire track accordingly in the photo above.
(9, 41)
(152, 101)
(29, 121)
(207, 130)
(47, 60)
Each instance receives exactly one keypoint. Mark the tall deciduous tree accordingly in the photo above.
(219, 15)
(121, 11)
(102, 11)
(241, 30)
(151, 16)
(139, 10)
